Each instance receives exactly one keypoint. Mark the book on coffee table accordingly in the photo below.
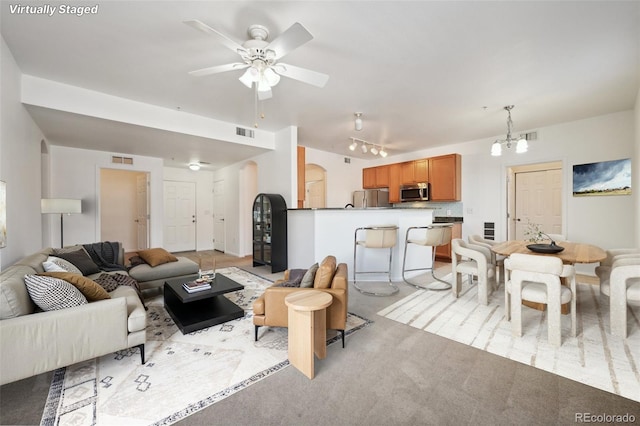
(193, 286)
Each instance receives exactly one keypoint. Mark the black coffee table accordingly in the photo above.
(195, 311)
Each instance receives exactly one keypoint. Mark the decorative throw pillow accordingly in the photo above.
(325, 273)
(81, 260)
(296, 275)
(157, 256)
(68, 249)
(51, 294)
(309, 276)
(288, 283)
(62, 265)
(135, 261)
(89, 288)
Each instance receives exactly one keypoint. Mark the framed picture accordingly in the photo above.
(603, 178)
(3, 214)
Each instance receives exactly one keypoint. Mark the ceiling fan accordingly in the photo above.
(260, 58)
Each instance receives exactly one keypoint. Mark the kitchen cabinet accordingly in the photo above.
(369, 178)
(444, 178)
(375, 177)
(270, 232)
(443, 253)
(394, 183)
(416, 171)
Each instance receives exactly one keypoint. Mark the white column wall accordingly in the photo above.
(20, 166)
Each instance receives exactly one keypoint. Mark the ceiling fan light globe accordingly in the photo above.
(496, 149)
(246, 78)
(194, 166)
(263, 86)
(271, 77)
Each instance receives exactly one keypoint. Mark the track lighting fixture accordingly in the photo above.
(367, 147)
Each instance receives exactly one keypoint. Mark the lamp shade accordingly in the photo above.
(496, 149)
(60, 205)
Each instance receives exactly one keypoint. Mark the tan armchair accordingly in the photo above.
(270, 309)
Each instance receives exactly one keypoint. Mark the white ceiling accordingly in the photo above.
(420, 71)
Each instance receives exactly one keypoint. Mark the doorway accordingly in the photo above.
(124, 208)
(179, 216)
(315, 180)
(535, 196)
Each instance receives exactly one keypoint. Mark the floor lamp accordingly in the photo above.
(60, 206)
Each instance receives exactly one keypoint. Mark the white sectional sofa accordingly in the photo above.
(33, 342)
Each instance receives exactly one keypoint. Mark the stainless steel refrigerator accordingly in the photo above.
(370, 198)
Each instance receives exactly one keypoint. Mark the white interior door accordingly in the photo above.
(179, 216)
(142, 211)
(218, 215)
(538, 200)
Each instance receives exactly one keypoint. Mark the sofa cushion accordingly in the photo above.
(182, 266)
(309, 276)
(325, 273)
(14, 298)
(81, 260)
(35, 260)
(89, 288)
(157, 256)
(51, 294)
(136, 314)
(58, 264)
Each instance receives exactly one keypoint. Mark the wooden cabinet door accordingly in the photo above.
(444, 177)
(421, 170)
(369, 178)
(407, 173)
(382, 177)
(394, 183)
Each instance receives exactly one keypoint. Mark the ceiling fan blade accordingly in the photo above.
(218, 69)
(302, 74)
(266, 94)
(294, 37)
(222, 38)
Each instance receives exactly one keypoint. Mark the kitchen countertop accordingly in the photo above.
(367, 208)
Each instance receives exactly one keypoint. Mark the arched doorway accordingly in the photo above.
(315, 180)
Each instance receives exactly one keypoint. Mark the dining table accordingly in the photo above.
(573, 253)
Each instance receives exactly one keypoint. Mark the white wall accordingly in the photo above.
(19, 166)
(635, 171)
(604, 221)
(276, 174)
(204, 201)
(75, 173)
(342, 178)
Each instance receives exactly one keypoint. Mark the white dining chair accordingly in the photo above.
(537, 279)
(496, 259)
(473, 260)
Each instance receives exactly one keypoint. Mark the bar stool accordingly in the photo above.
(435, 235)
(377, 237)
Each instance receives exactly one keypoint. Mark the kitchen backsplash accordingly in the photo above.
(441, 209)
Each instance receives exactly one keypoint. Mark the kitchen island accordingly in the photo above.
(316, 233)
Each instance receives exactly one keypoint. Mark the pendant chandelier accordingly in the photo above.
(520, 142)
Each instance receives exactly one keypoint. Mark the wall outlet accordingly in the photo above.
(469, 210)
(448, 212)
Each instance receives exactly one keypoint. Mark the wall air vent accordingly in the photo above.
(247, 133)
(347, 160)
(122, 160)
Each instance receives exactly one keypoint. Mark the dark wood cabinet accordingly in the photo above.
(270, 231)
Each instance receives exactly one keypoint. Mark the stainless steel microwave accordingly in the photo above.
(414, 192)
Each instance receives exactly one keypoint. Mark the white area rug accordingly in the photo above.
(183, 373)
(594, 357)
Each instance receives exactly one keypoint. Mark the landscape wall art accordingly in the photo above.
(603, 178)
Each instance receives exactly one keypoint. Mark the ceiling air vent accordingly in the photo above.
(122, 160)
(247, 133)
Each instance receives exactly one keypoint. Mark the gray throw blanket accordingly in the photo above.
(105, 255)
